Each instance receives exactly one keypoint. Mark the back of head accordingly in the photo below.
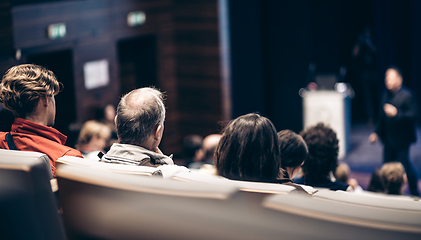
(93, 128)
(293, 149)
(248, 150)
(209, 145)
(323, 150)
(23, 85)
(375, 184)
(191, 143)
(342, 173)
(392, 176)
(138, 114)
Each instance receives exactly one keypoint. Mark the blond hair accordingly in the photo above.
(93, 128)
(23, 85)
(392, 176)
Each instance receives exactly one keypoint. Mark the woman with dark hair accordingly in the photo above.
(322, 158)
(293, 153)
(249, 150)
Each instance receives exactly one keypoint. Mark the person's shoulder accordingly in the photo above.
(72, 152)
(404, 91)
(299, 180)
(338, 186)
(3, 135)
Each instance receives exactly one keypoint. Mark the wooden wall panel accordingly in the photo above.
(6, 39)
(83, 19)
(187, 53)
(197, 67)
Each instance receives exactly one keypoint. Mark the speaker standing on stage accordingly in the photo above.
(396, 124)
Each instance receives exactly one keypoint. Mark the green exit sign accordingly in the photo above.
(57, 30)
(136, 19)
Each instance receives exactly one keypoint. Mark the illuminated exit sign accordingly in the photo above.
(136, 19)
(57, 30)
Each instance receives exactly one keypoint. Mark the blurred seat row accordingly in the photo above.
(110, 201)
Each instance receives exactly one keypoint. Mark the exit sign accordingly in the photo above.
(57, 30)
(136, 19)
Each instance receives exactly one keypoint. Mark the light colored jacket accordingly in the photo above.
(135, 155)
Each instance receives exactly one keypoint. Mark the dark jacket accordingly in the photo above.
(400, 129)
(325, 183)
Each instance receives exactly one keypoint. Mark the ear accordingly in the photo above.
(157, 134)
(115, 120)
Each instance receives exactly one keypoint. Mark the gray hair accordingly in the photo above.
(138, 114)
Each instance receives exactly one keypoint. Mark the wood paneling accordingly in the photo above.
(187, 53)
(197, 66)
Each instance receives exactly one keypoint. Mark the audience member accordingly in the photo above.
(293, 153)
(140, 125)
(106, 116)
(393, 178)
(93, 139)
(249, 150)
(28, 91)
(375, 184)
(322, 160)
(342, 174)
(192, 149)
(208, 148)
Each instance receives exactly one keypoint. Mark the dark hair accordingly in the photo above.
(375, 182)
(23, 85)
(138, 114)
(191, 143)
(248, 150)
(293, 149)
(322, 152)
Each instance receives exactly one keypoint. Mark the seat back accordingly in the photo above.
(103, 204)
(387, 219)
(28, 154)
(28, 208)
(257, 187)
(371, 199)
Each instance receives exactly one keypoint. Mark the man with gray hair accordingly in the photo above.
(140, 125)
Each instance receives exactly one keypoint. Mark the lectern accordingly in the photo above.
(331, 108)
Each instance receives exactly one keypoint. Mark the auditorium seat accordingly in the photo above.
(104, 205)
(372, 199)
(118, 168)
(28, 208)
(195, 176)
(387, 221)
(31, 155)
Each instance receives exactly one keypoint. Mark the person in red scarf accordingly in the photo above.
(28, 91)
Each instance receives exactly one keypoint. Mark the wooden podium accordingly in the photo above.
(333, 109)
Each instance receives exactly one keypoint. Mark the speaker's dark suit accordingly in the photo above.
(398, 132)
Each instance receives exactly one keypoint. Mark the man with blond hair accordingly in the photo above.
(140, 125)
(28, 91)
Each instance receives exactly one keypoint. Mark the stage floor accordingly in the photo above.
(363, 157)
